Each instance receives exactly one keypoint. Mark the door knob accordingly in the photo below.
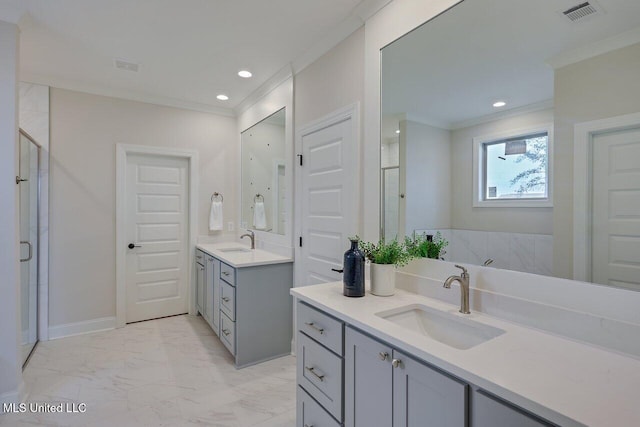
(133, 245)
(396, 363)
(383, 355)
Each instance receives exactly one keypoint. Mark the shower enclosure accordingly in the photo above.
(29, 181)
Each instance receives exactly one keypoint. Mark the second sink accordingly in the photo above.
(452, 330)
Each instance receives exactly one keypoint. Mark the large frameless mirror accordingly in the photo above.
(481, 113)
(264, 175)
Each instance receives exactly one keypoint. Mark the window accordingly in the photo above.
(513, 170)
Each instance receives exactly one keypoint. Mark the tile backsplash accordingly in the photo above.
(530, 253)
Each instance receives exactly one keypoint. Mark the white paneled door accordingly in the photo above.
(157, 216)
(329, 200)
(616, 208)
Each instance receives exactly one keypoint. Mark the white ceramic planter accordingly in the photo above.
(383, 279)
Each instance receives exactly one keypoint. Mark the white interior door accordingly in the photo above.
(616, 209)
(329, 179)
(157, 219)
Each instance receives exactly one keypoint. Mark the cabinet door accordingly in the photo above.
(487, 411)
(423, 396)
(216, 297)
(368, 380)
(209, 295)
(200, 288)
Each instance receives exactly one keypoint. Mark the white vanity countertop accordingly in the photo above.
(239, 259)
(563, 381)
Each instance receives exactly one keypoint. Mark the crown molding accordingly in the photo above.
(590, 50)
(12, 14)
(129, 95)
(265, 88)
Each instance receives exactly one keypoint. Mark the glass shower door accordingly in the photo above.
(29, 181)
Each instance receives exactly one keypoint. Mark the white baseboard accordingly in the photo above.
(79, 328)
(16, 396)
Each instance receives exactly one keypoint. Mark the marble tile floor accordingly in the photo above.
(166, 372)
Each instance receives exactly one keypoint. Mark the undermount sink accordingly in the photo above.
(238, 249)
(450, 329)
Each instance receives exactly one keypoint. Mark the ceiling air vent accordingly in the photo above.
(126, 65)
(581, 11)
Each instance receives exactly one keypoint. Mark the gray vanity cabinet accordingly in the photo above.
(211, 293)
(200, 279)
(386, 387)
(368, 391)
(255, 310)
(424, 396)
(489, 411)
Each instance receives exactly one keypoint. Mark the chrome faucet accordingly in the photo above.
(463, 279)
(250, 234)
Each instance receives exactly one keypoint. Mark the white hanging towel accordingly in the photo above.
(215, 216)
(259, 216)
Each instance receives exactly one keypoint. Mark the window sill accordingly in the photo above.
(546, 203)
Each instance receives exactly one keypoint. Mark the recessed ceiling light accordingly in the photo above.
(499, 104)
(222, 97)
(245, 74)
(398, 131)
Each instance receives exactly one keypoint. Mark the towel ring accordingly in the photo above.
(216, 195)
(257, 197)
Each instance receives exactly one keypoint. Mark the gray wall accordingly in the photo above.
(10, 363)
(84, 132)
(425, 176)
(333, 81)
(604, 86)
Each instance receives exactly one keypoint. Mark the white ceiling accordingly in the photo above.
(189, 51)
(450, 71)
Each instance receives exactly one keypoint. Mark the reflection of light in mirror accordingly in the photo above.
(222, 97)
(499, 104)
(245, 74)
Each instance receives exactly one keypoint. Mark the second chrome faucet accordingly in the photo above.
(463, 280)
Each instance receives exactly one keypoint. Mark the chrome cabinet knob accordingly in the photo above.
(396, 363)
(383, 355)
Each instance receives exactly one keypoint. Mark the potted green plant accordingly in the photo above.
(385, 258)
(422, 247)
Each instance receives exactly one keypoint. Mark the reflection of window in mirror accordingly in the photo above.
(516, 168)
(513, 169)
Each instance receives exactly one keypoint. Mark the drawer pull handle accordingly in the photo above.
(197, 256)
(383, 355)
(226, 273)
(308, 425)
(226, 332)
(225, 299)
(396, 363)
(313, 371)
(313, 326)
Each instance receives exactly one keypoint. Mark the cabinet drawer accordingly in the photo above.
(228, 273)
(321, 327)
(228, 300)
(319, 372)
(310, 413)
(200, 256)
(228, 333)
